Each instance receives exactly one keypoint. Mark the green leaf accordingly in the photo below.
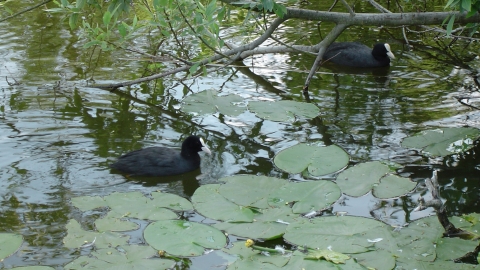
(207, 102)
(183, 238)
(452, 248)
(443, 142)
(208, 202)
(284, 110)
(361, 178)
(264, 226)
(393, 186)
(317, 160)
(343, 234)
(306, 196)
(107, 17)
(329, 255)
(72, 21)
(124, 257)
(9, 244)
(122, 29)
(466, 5)
(77, 237)
(267, 4)
(450, 25)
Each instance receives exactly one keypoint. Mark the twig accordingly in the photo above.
(336, 31)
(350, 10)
(25, 10)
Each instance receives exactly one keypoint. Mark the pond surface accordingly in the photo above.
(58, 136)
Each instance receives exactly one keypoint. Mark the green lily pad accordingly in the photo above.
(34, 267)
(306, 196)
(77, 237)
(453, 248)
(328, 255)
(208, 202)
(393, 186)
(9, 244)
(361, 178)
(132, 205)
(268, 224)
(343, 234)
(247, 257)
(183, 238)
(444, 141)
(124, 257)
(416, 242)
(378, 259)
(314, 159)
(257, 189)
(207, 102)
(284, 110)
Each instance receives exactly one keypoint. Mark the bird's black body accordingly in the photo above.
(354, 54)
(162, 161)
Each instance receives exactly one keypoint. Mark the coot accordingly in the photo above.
(355, 54)
(162, 161)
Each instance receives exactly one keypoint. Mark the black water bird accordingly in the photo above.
(355, 54)
(163, 161)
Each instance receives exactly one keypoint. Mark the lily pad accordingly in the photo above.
(343, 234)
(77, 237)
(247, 257)
(284, 110)
(124, 257)
(361, 178)
(257, 189)
(328, 255)
(314, 159)
(306, 196)
(393, 186)
(268, 224)
(453, 248)
(207, 102)
(34, 267)
(132, 205)
(444, 141)
(9, 244)
(183, 238)
(208, 202)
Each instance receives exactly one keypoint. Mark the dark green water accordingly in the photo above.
(58, 136)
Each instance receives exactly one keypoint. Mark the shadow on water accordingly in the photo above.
(188, 181)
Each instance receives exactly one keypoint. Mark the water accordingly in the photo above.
(58, 136)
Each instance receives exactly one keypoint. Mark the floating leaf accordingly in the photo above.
(325, 254)
(257, 189)
(284, 110)
(265, 226)
(77, 237)
(9, 244)
(443, 142)
(183, 238)
(361, 178)
(393, 186)
(248, 258)
(34, 267)
(317, 160)
(378, 259)
(207, 102)
(449, 249)
(344, 234)
(209, 203)
(132, 205)
(124, 257)
(306, 196)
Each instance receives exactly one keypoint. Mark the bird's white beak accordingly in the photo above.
(389, 52)
(204, 147)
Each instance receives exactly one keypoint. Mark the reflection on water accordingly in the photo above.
(58, 140)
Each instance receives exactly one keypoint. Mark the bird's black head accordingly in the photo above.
(382, 52)
(193, 144)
